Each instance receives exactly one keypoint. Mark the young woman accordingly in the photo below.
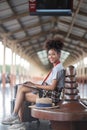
(50, 87)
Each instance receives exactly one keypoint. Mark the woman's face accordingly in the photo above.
(53, 56)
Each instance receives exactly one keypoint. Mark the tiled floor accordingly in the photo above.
(5, 108)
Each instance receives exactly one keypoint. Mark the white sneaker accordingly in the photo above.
(10, 120)
(19, 126)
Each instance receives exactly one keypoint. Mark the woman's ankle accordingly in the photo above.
(15, 114)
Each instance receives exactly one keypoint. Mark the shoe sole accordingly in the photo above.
(17, 128)
(10, 123)
(6, 123)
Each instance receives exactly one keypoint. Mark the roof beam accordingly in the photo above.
(74, 18)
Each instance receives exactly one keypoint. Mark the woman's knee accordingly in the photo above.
(21, 88)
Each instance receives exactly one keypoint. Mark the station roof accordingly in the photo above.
(26, 34)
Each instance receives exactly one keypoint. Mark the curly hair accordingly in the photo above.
(55, 44)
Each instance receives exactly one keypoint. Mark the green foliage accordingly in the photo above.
(8, 69)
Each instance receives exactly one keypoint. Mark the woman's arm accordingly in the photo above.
(45, 87)
(48, 87)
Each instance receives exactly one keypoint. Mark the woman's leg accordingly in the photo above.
(20, 113)
(21, 96)
(28, 97)
(23, 93)
(31, 97)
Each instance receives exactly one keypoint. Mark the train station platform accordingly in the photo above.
(5, 108)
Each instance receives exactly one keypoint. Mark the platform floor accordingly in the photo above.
(31, 126)
(5, 101)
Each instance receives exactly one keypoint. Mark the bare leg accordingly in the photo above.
(20, 113)
(23, 93)
(31, 97)
(21, 97)
(28, 97)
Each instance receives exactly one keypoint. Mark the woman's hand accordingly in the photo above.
(28, 83)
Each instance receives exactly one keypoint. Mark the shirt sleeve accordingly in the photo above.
(55, 74)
